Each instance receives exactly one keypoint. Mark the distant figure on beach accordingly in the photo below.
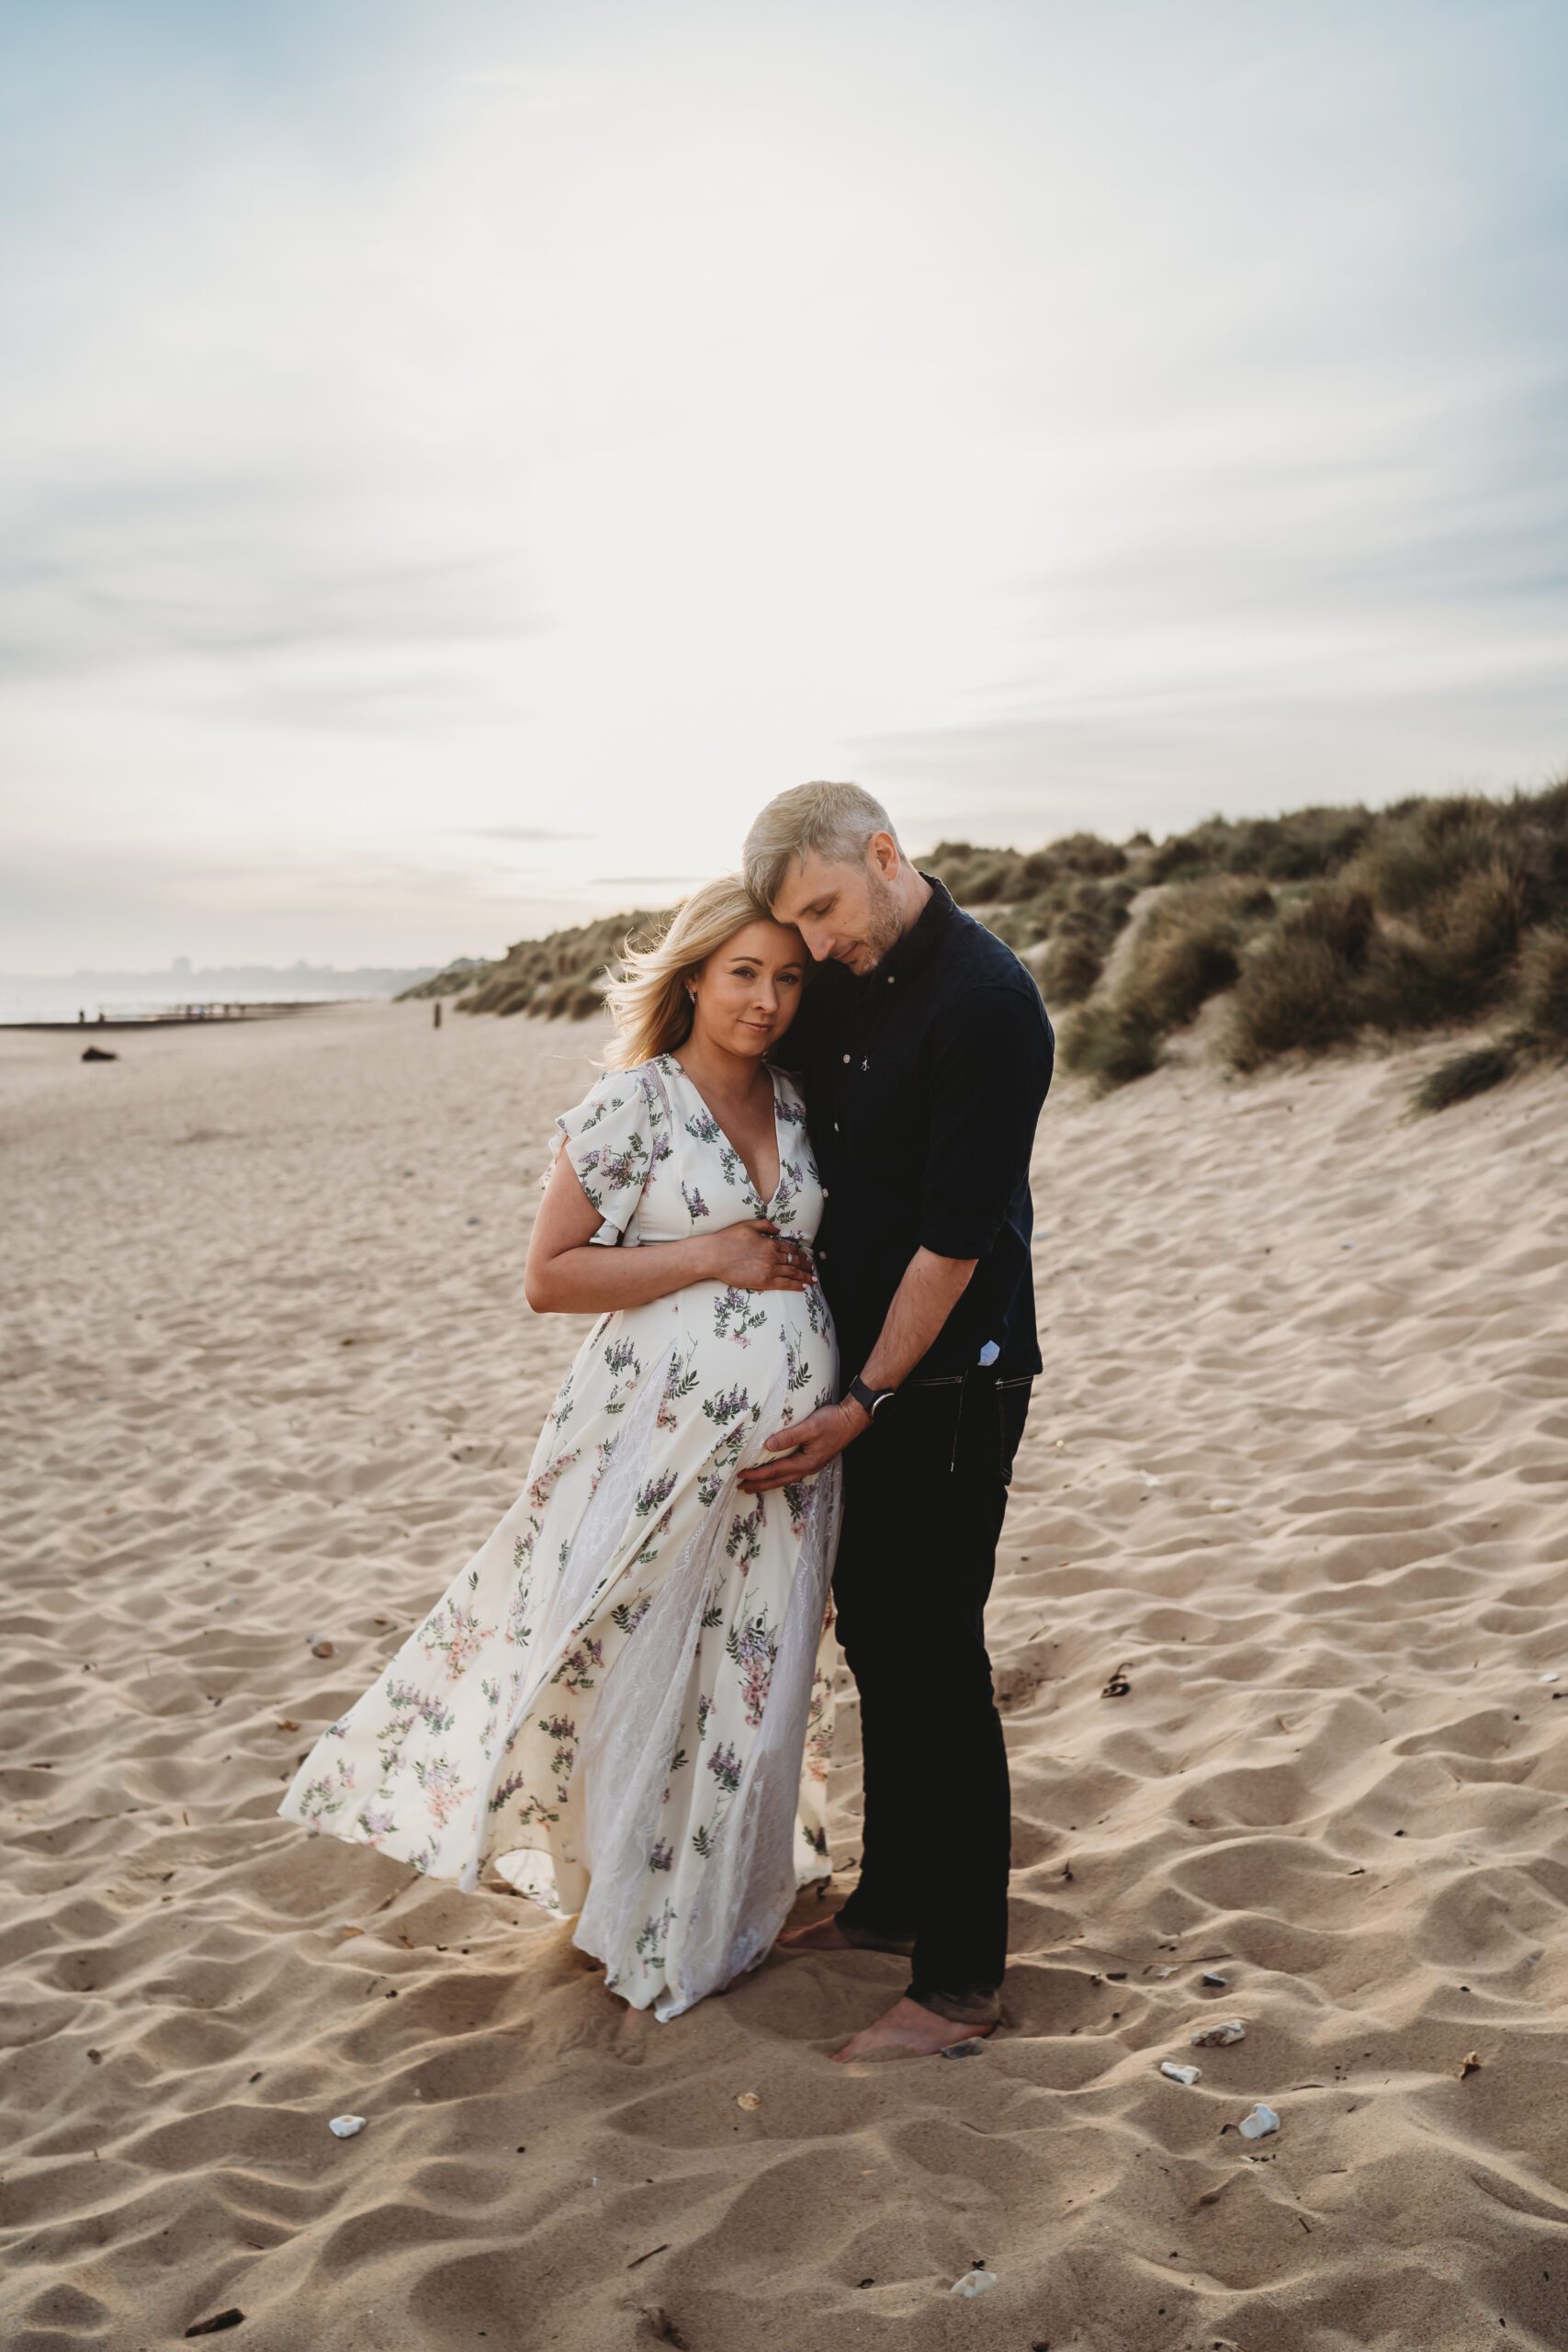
(925, 1056)
(621, 1705)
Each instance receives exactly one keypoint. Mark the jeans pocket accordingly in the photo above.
(920, 1425)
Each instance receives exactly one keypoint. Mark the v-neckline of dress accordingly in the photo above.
(765, 1206)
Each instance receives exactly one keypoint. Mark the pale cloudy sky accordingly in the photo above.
(459, 459)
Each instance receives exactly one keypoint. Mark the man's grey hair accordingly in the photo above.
(835, 819)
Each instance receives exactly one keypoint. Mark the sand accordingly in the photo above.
(1296, 1470)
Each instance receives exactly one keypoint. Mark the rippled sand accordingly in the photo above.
(1297, 1470)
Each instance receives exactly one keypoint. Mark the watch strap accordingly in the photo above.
(868, 1398)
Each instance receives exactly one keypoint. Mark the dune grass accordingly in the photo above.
(1315, 927)
(462, 972)
(1539, 1031)
(1462, 1076)
(561, 975)
(1110, 1041)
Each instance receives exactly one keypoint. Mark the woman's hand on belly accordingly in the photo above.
(756, 1256)
(568, 1271)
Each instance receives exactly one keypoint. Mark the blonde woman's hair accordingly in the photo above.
(648, 1001)
(838, 819)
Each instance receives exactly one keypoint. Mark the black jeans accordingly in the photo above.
(925, 1490)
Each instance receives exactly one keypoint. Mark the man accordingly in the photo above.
(926, 1055)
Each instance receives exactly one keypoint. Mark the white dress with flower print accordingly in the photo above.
(621, 1705)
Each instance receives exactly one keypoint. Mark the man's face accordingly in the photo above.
(849, 912)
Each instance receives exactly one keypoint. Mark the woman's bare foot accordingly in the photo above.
(906, 2030)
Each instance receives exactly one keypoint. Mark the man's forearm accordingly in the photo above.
(929, 1291)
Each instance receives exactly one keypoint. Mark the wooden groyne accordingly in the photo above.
(180, 1015)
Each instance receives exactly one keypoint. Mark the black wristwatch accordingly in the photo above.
(868, 1399)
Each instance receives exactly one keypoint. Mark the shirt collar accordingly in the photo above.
(915, 947)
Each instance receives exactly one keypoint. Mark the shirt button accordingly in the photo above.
(835, 1127)
(846, 1058)
(891, 978)
(822, 1257)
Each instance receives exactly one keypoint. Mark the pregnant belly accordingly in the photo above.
(748, 1336)
(799, 1316)
(722, 1357)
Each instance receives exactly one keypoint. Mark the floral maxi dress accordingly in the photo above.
(621, 1706)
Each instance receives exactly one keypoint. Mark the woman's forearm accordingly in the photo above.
(588, 1280)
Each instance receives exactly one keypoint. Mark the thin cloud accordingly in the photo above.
(515, 833)
(222, 573)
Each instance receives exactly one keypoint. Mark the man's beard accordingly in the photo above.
(884, 920)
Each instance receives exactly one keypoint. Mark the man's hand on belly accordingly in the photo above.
(930, 1290)
(812, 1443)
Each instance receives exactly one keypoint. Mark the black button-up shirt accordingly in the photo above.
(923, 1082)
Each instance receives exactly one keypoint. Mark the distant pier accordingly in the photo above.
(178, 1015)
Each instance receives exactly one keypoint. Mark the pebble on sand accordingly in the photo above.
(974, 2282)
(1219, 2036)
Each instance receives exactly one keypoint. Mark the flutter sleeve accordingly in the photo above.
(615, 1138)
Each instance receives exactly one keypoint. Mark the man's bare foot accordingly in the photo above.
(818, 1935)
(906, 2030)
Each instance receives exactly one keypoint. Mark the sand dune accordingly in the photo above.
(1297, 1470)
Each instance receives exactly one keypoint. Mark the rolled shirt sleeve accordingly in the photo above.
(989, 1059)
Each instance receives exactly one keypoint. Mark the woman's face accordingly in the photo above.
(748, 990)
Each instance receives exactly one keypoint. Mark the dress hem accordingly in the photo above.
(491, 1880)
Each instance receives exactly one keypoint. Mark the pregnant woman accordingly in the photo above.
(621, 1705)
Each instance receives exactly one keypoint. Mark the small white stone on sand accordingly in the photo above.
(1219, 2036)
(1188, 2074)
(974, 2282)
(1552, 1676)
(345, 2126)
(1262, 2120)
